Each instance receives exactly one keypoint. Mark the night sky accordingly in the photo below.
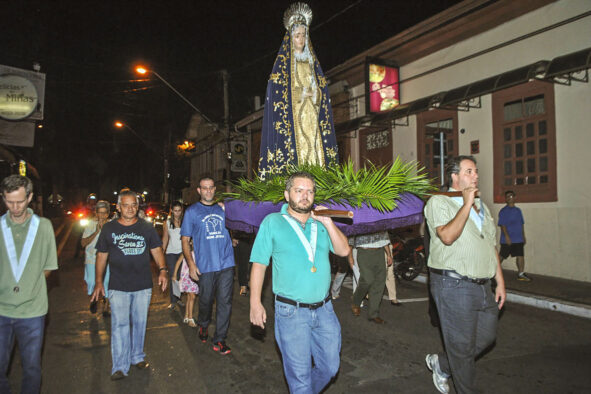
(88, 50)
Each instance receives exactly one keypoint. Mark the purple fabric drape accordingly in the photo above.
(247, 216)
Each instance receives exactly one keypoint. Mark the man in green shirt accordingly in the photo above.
(462, 260)
(27, 256)
(306, 326)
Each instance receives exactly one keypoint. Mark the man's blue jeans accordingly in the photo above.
(29, 335)
(216, 285)
(129, 315)
(303, 334)
(468, 315)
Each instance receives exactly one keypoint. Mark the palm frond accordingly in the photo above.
(377, 187)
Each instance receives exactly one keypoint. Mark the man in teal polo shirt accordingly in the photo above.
(27, 256)
(306, 326)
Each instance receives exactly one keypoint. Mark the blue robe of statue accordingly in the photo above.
(299, 131)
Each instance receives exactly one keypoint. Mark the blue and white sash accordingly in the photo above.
(310, 246)
(477, 218)
(18, 266)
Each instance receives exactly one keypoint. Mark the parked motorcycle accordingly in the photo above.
(409, 257)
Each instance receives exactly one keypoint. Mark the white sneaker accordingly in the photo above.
(523, 277)
(439, 378)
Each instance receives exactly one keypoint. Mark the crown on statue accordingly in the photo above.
(297, 14)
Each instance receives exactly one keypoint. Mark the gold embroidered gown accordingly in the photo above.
(305, 99)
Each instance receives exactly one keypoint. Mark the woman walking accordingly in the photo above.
(171, 244)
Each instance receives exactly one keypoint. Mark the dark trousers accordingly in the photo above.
(372, 278)
(468, 315)
(242, 257)
(171, 259)
(29, 336)
(216, 285)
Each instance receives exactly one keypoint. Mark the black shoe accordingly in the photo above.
(117, 375)
(142, 365)
(203, 334)
(92, 309)
(396, 303)
(221, 347)
(377, 320)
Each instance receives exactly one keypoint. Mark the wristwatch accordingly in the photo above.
(163, 269)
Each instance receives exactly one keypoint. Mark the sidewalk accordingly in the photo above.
(546, 292)
(571, 291)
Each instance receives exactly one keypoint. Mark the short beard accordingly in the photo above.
(297, 209)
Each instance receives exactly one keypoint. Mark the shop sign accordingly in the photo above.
(18, 97)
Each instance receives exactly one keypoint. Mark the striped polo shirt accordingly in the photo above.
(473, 254)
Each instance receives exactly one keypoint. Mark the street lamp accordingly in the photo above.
(121, 125)
(143, 71)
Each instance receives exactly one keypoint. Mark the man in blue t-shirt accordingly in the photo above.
(128, 243)
(306, 326)
(213, 266)
(513, 234)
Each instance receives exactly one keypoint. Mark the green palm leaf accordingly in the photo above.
(377, 187)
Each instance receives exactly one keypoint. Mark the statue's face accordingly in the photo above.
(299, 38)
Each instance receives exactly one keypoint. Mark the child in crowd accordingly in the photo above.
(189, 286)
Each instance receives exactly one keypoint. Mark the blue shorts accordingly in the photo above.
(89, 278)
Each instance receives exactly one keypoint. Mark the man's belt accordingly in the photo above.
(379, 247)
(313, 306)
(455, 275)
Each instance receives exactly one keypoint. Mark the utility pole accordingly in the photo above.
(225, 78)
(165, 180)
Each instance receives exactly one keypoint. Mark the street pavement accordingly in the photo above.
(537, 350)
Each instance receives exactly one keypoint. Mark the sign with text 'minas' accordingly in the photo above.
(21, 94)
(18, 97)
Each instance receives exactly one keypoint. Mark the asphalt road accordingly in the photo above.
(537, 351)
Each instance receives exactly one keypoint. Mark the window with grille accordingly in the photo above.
(524, 142)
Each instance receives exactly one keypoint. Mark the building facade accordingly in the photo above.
(506, 82)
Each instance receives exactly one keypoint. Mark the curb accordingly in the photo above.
(541, 302)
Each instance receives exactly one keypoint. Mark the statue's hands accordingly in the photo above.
(306, 93)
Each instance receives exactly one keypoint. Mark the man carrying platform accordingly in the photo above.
(306, 326)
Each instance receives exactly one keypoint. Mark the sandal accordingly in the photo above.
(191, 322)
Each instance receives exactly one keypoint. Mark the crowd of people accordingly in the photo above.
(197, 254)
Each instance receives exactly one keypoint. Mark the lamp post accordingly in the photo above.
(143, 71)
(163, 155)
(121, 125)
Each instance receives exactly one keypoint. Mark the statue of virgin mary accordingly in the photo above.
(297, 124)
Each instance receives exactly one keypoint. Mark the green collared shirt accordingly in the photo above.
(28, 297)
(292, 274)
(473, 254)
